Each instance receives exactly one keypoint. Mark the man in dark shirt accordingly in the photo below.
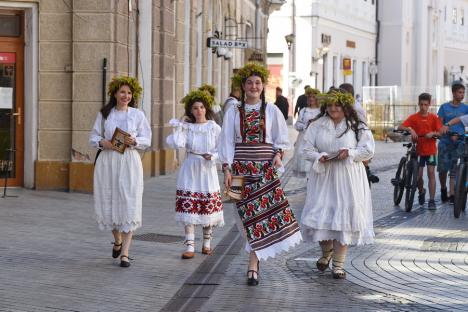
(282, 102)
(301, 102)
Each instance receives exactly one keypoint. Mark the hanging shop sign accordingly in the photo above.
(347, 66)
(221, 43)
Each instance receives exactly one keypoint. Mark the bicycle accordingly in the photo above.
(461, 182)
(406, 176)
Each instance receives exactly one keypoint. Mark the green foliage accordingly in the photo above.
(133, 83)
(197, 96)
(250, 69)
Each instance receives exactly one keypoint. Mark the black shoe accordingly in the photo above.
(116, 253)
(451, 199)
(422, 197)
(252, 280)
(443, 195)
(431, 205)
(125, 264)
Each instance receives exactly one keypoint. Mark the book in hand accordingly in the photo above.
(333, 156)
(118, 140)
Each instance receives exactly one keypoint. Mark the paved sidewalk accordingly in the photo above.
(55, 259)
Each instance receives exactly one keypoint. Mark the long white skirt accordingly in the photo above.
(118, 190)
(301, 166)
(338, 205)
(198, 198)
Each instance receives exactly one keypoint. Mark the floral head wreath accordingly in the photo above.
(337, 97)
(311, 91)
(208, 88)
(250, 69)
(133, 84)
(197, 95)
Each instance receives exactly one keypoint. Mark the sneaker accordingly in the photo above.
(443, 195)
(422, 197)
(451, 199)
(431, 205)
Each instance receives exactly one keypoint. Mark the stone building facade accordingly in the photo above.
(64, 53)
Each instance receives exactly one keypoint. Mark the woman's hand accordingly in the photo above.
(207, 156)
(227, 179)
(130, 141)
(277, 161)
(105, 144)
(323, 159)
(343, 154)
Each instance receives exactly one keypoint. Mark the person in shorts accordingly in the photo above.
(451, 147)
(423, 126)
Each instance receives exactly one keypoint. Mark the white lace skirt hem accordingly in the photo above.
(125, 228)
(364, 237)
(214, 219)
(278, 248)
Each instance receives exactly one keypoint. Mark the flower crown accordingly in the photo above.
(311, 91)
(248, 70)
(208, 88)
(197, 95)
(337, 97)
(118, 82)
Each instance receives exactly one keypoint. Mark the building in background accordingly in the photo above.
(56, 58)
(323, 43)
(424, 43)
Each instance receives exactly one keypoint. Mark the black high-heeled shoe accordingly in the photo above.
(116, 253)
(251, 280)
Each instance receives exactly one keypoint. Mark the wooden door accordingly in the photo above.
(11, 98)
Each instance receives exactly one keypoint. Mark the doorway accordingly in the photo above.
(11, 97)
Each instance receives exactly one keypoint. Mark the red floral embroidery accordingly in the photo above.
(198, 203)
(258, 230)
(287, 215)
(273, 224)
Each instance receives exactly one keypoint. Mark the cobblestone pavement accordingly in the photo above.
(55, 259)
(418, 262)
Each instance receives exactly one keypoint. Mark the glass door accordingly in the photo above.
(11, 101)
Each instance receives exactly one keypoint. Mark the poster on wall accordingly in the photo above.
(6, 98)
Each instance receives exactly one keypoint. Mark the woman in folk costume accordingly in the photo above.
(338, 206)
(301, 165)
(251, 144)
(198, 199)
(118, 178)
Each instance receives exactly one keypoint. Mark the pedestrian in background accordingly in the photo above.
(118, 178)
(300, 165)
(301, 101)
(338, 207)
(282, 103)
(451, 148)
(251, 145)
(423, 126)
(233, 98)
(198, 198)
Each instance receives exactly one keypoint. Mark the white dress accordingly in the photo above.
(198, 198)
(118, 178)
(338, 205)
(300, 165)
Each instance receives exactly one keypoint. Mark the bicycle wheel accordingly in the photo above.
(399, 182)
(411, 183)
(460, 191)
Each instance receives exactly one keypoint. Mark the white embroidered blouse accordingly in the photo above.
(275, 127)
(132, 121)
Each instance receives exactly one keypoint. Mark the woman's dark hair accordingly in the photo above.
(351, 117)
(191, 118)
(105, 111)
